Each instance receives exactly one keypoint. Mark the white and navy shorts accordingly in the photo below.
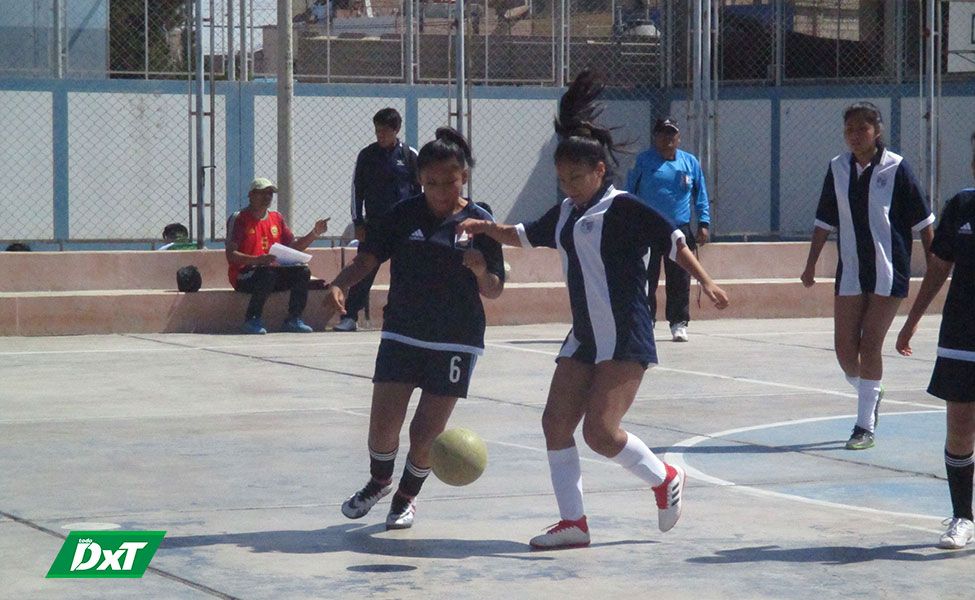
(628, 349)
(441, 372)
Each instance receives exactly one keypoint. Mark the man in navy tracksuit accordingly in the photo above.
(385, 173)
(668, 179)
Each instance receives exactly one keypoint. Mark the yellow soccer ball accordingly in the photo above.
(458, 456)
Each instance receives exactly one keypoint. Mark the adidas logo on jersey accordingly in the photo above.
(418, 235)
(966, 228)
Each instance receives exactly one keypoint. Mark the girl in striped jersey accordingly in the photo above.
(603, 236)
(953, 379)
(873, 202)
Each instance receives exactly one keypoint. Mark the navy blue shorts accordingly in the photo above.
(953, 380)
(441, 372)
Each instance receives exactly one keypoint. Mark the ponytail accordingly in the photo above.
(448, 145)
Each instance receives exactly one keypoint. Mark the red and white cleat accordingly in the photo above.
(669, 500)
(565, 534)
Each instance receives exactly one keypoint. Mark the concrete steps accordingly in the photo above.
(65, 293)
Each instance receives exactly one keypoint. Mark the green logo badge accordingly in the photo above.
(106, 554)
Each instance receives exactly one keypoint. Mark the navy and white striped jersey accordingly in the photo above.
(875, 213)
(604, 247)
(954, 241)
(433, 300)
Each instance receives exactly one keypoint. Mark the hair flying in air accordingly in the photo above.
(582, 139)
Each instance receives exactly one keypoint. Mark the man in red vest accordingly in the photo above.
(250, 234)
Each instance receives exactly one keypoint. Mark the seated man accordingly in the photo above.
(250, 234)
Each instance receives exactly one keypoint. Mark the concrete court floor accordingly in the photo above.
(243, 449)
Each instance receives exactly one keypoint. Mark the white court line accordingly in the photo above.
(296, 346)
(358, 411)
(777, 333)
(695, 474)
(789, 386)
(544, 451)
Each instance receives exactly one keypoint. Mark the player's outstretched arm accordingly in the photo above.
(718, 296)
(505, 234)
(934, 278)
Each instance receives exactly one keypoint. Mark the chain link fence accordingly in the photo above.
(103, 159)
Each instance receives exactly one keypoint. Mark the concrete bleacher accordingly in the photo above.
(63, 293)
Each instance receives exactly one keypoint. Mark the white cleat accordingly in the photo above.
(678, 332)
(669, 494)
(361, 502)
(400, 517)
(565, 534)
(960, 533)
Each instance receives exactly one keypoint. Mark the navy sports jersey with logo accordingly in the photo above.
(875, 213)
(604, 247)
(434, 300)
(954, 241)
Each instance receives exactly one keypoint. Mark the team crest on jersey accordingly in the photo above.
(274, 230)
(586, 226)
(881, 182)
(965, 229)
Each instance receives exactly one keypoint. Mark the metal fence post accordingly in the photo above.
(461, 77)
(231, 52)
(200, 169)
(286, 90)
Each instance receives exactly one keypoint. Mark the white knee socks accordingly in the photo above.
(638, 459)
(868, 393)
(566, 471)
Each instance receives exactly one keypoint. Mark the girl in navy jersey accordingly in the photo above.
(953, 379)
(433, 322)
(603, 235)
(873, 202)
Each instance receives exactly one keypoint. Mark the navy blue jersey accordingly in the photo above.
(433, 298)
(954, 241)
(875, 213)
(604, 247)
(382, 178)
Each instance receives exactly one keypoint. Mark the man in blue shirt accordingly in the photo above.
(667, 179)
(385, 174)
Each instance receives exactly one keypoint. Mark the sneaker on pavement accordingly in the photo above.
(960, 532)
(679, 332)
(860, 440)
(253, 326)
(565, 534)
(401, 513)
(345, 324)
(296, 325)
(362, 501)
(669, 500)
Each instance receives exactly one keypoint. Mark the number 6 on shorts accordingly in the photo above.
(454, 375)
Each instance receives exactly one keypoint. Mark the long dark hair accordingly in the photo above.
(581, 139)
(869, 112)
(448, 145)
